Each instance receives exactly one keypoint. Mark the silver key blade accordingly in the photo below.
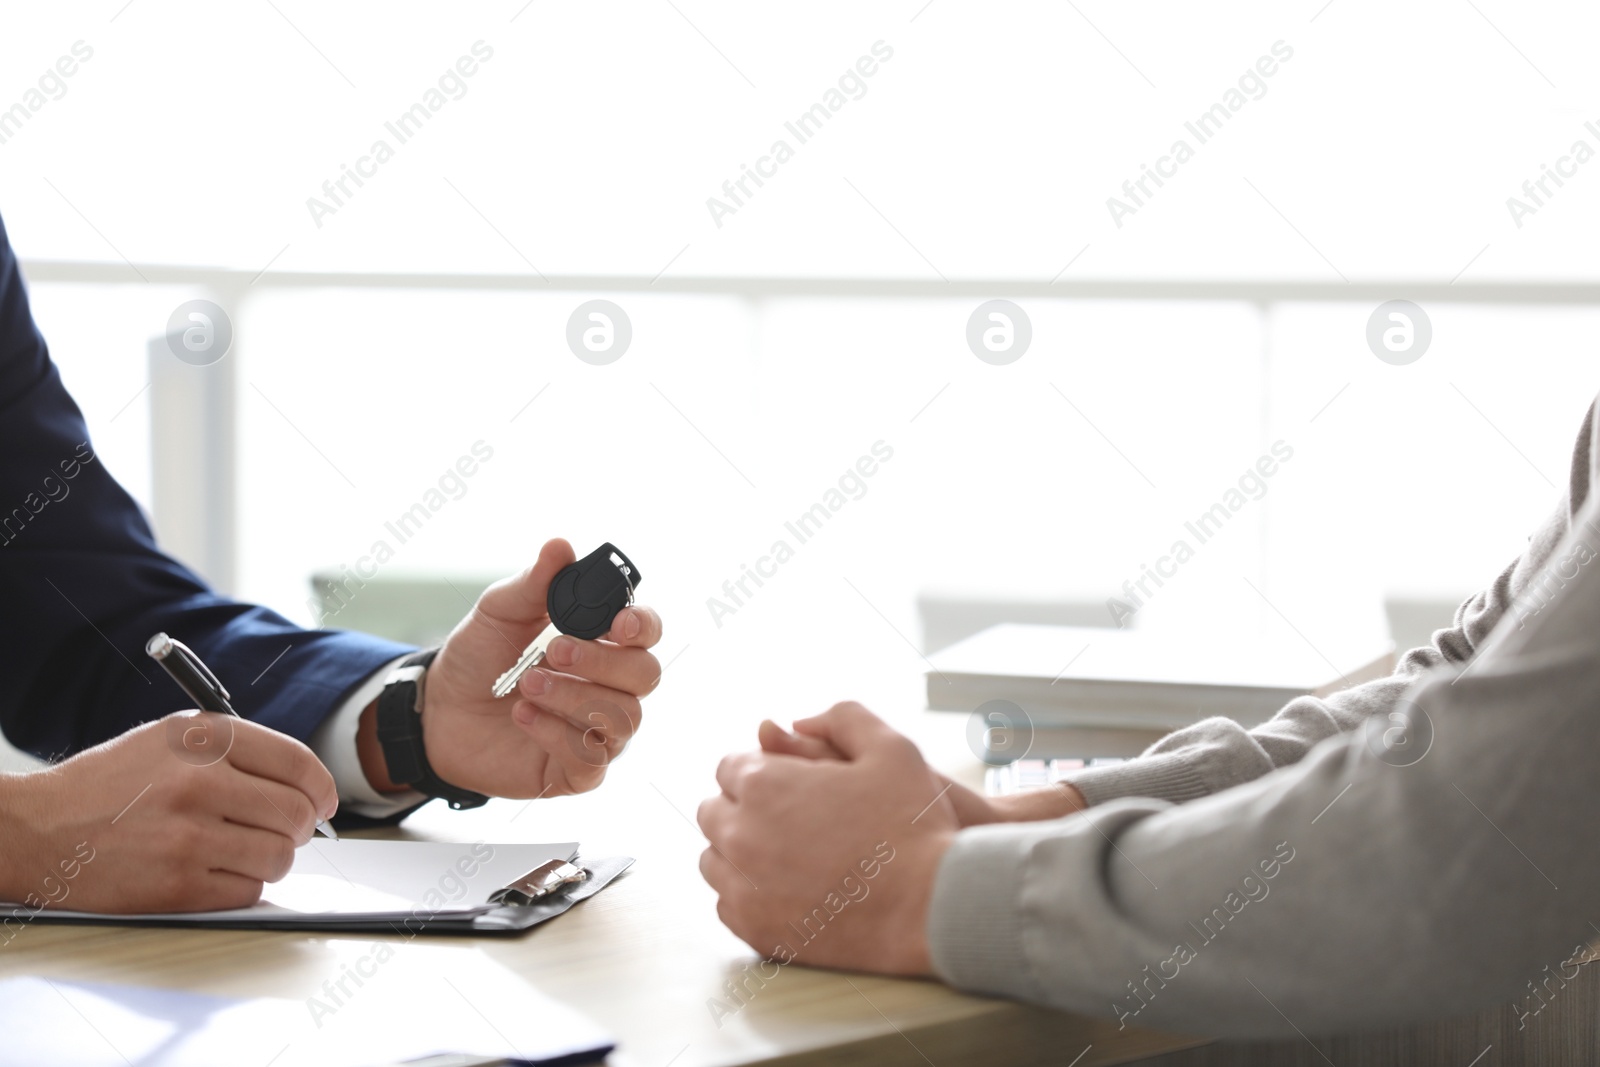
(531, 657)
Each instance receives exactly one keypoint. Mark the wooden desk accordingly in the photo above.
(646, 956)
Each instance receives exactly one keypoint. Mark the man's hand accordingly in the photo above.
(568, 719)
(830, 860)
(188, 813)
(810, 740)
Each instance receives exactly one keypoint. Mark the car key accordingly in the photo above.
(583, 600)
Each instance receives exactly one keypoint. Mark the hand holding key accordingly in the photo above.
(583, 600)
(574, 707)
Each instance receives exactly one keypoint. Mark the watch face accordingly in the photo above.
(400, 734)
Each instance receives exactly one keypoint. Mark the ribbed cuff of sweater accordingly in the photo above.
(1021, 910)
(976, 920)
(1171, 778)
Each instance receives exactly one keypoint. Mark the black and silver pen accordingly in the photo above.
(196, 679)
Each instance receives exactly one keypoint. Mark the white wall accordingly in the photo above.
(986, 148)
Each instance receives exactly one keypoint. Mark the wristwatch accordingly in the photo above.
(400, 734)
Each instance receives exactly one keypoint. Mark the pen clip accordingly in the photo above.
(199, 666)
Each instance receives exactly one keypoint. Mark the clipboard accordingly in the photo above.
(400, 887)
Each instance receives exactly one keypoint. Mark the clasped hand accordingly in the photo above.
(825, 844)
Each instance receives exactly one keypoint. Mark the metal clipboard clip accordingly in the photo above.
(543, 881)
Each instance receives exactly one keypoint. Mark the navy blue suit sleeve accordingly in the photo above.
(83, 586)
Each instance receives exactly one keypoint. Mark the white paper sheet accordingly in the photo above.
(385, 879)
(82, 1024)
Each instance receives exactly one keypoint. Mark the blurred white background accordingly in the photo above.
(976, 164)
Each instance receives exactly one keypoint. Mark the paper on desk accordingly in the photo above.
(384, 880)
(81, 1024)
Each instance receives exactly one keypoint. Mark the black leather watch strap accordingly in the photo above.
(400, 733)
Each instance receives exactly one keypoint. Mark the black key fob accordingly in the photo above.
(585, 596)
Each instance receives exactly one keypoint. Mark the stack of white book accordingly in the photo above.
(1082, 692)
